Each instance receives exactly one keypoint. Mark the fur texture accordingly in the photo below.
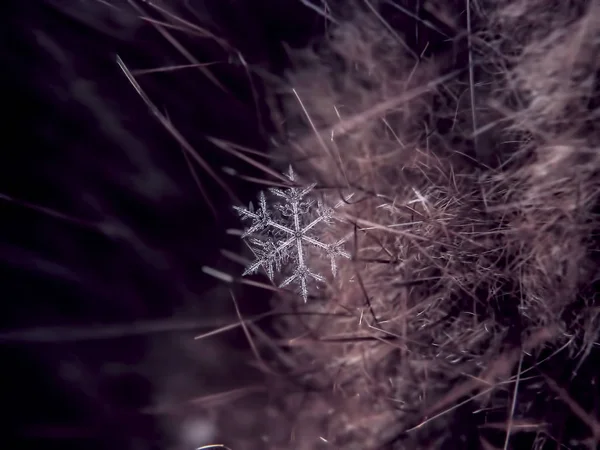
(473, 225)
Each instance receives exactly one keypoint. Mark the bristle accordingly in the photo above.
(469, 258)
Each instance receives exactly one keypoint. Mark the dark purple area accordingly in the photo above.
(79, 140)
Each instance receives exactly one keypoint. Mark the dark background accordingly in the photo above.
(79, 142)
(102, 224)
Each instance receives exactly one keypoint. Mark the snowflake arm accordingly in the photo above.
(267, 255)
(302, 273)
(260, 219)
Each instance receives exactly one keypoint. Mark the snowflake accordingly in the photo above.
(284, 233)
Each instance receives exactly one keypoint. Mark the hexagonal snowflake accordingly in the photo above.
(281, 234)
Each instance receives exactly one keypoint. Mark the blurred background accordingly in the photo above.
(104, 225)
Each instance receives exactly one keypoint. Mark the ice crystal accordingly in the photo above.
(283, 234)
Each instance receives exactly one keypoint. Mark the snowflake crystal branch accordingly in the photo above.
(284, 233)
